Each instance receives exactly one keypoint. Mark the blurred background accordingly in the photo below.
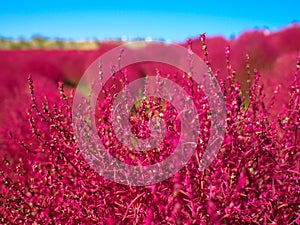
(57, 40)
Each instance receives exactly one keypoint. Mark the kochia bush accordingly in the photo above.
(253, 180)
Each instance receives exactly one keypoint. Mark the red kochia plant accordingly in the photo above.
(253, 180)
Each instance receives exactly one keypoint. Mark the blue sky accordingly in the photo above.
(170, 20)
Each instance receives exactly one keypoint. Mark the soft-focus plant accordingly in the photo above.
(253, 180)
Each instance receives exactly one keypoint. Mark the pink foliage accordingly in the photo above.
(253, 180)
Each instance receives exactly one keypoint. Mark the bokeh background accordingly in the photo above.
(56, 41)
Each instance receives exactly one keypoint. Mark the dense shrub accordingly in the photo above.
(253, 180)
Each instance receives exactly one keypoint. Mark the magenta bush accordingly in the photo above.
(253, 180)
